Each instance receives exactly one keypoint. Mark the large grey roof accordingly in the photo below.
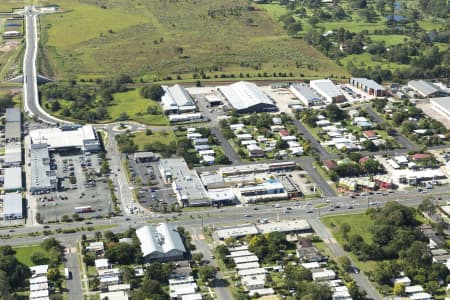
(308, 93)
(13, 115)
(423, 87)
(12, 130)
(13, 153)
(177, 96)
(12, 204)
(243, 95)
(41, 175)
(443, 102)
(13, 179)
(161, 238)
(369, 83)
(325, 87)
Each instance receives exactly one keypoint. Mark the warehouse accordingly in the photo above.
(42, 178)
(424, 88)
(368, 86)
(13, 179)
(13, 115)
(12, 132)
(160, 242)
(328, 90)
(67, 137)
(441, 105)
(247, 97)
(306, 94)
(13, 155)
(13, 206)
(176, 100)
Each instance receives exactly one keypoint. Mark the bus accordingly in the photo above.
(83, 209)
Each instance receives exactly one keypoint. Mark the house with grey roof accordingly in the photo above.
(160, 242)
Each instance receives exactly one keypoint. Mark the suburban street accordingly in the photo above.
(307, 164)
(74, 284)
(310, 138)
(404, 142)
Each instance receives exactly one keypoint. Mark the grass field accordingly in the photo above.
(164, 136)
(23, 254)
(158, 38)
(135, 106)
(359, 224)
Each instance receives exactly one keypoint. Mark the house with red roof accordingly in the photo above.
(370, 134)
(283, 132)
(421, 156)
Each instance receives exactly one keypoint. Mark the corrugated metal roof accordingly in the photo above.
(161, 238)
(423, 87)
(244, 95)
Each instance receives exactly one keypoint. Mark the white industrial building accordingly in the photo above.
(441, 105)
(67, 137)
(305, 94)
(12, 179)
(247, 97)
(424, 88)
(176, 100)
(328, 90)
(13, 206)
(160, 242)
(186, 184)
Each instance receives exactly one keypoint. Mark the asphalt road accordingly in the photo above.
(30, 89)
(227, 148)
(314, 143)
(404, 142)
(75, 289)
(307, 164)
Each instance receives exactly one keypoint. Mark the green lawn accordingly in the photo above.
(136, 106)
(23, 254)
(154, 39)
(391, 39)
(359, 224)
(365, 60)
(164, 136)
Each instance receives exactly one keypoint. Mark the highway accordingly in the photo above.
(30, 88)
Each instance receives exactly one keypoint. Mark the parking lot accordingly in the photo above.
(80, 184)
(150, 188)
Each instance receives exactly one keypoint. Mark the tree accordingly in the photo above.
(153, 91)
(334, 113)
(197, 257)
(206, 272)
(399, 289)
(39, 258)
(369, 146)
(294, 28)
(5, 287)
(371, 166)
(345, 262)
(121, 253)
(55, 106)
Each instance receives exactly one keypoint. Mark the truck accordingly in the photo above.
(83, 209)
(67, 273)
